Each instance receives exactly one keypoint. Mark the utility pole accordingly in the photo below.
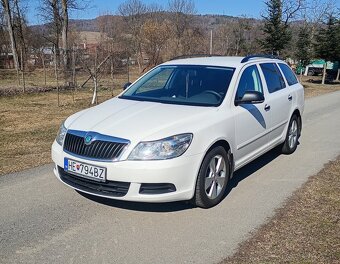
(211, 42)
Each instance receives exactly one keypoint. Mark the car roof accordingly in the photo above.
(220, 61)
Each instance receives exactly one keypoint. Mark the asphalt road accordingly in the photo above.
(42, 221)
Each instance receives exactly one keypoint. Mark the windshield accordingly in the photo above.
(189, 85)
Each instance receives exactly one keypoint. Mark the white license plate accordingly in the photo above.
(85, 170)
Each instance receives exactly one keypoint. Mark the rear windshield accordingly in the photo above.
(182, 84)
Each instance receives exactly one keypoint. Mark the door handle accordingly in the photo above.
(290, 98)
(267, 107)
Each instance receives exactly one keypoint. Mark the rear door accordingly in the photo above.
(279, 101)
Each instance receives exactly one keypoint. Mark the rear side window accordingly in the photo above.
(273, 77)
(250, 81)
(289, 74)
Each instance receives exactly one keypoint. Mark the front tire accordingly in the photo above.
(212, 178)
(292, 137)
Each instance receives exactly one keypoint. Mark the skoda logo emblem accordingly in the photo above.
(88, 139)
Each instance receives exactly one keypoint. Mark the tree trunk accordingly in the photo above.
(23, 72)
(56, 21)
(8, 16)
(74, 71)
(43, 64)
(64, 32)
(324, 73)
(112, 74)
(338, 75)
(21, 31)
(94, 97)
(74, 66)
(56, 72)
(95, 80)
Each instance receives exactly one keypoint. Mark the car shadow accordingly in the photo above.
(140, 206)
(251, 168)
(239, 176)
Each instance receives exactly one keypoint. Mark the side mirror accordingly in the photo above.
(127, 85)
(250, 97)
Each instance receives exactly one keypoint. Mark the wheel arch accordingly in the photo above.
(225, 144)
(297, 113)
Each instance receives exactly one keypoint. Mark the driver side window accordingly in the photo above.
(250, 81)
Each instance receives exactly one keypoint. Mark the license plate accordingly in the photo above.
(85, 170)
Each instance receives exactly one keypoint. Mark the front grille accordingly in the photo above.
(108, 188)
(98, 149)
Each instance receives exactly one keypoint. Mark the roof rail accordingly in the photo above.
(194, 56)
(259, 56)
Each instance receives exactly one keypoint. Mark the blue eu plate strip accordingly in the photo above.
(65, 164)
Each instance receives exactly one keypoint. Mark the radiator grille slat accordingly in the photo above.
(98, 149)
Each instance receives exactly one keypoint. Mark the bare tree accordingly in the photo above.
(155, 35)
(291, 9)
(50, 13)
(315, 12)
(56, 14)
(134, 12)
(9, 19)
(182, 12)
(64, 33)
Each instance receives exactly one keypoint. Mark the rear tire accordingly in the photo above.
(212, 178)
(292, 137)
(311, 73)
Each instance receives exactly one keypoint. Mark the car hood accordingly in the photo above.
(139, 120)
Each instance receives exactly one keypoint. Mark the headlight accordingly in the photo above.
(61, 134)
(166, 148)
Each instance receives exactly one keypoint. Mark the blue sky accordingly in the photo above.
(251, 8)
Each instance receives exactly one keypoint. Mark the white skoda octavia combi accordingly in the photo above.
(180, 130)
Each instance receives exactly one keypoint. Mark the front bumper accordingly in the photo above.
(180, 172)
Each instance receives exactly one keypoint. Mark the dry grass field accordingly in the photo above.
(28, 125)
(29, 122)
(313, 86)
(35, 80)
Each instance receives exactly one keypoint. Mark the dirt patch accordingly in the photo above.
(313, 86)
(305, 230)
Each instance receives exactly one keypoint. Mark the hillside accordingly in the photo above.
(92, 25)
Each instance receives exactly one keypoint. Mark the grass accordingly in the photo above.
(313, 86)
(35, 80)
(305, 230)
(28, 125)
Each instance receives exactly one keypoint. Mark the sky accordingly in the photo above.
(250, 8)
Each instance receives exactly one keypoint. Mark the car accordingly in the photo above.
(181, 130)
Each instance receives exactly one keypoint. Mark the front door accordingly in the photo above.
(251, 120)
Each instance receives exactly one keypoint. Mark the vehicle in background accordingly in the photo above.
(316, 67)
